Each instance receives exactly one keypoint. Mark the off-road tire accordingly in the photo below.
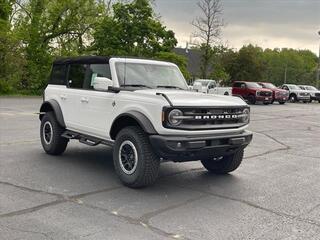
(57, 144)
(252, 99)
(225, 165)
(147, 169)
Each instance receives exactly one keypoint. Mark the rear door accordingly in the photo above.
(76, 77)
(58, 91)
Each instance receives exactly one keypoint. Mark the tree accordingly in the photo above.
(208, 30)
(46, 28)
(134, 30)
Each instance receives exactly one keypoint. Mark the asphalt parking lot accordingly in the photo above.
(275, 194)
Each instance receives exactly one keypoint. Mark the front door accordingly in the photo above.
(94, 107)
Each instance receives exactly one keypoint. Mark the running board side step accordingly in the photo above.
(86, 139)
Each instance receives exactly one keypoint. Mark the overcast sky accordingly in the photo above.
(267, 23)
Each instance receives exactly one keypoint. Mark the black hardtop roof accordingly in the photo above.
(82, 60)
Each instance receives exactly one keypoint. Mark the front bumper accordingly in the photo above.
(264, 99)
(303, 98)
(281, 98)
(190, 148)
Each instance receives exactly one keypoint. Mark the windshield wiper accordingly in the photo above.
(168, 86)
(135, 85)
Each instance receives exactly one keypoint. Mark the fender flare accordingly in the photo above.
(139, 117)
(52, 105)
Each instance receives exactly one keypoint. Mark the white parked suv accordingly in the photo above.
(143, 109)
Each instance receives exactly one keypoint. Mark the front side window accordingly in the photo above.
(149, 75)
(96, 70)
(77, 74)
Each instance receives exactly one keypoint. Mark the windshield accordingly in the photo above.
(253, 85)
(150, 76)
(302, 87)
(311, 88)
(294, 87)
(269, 85)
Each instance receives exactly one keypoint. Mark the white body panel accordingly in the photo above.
(93, 112)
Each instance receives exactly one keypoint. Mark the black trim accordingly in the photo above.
(142, 120)
(82, 60)
(166, 97)
(86, 139)
(198, 147)
(52, 105)
(197, 127)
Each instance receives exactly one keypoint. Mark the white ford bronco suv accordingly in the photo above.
(143, 109)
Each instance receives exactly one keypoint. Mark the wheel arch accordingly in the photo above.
(52, 106)
(131, 118)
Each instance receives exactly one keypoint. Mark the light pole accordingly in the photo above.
(318, 72)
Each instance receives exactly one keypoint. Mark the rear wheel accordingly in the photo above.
(134, 160)
(224, 164)
(50, 134)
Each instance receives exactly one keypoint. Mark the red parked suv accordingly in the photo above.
(279, 95)
(252, 92)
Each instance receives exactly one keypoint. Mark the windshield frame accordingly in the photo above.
(120, 63)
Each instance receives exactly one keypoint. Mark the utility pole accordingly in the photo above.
(318, 70)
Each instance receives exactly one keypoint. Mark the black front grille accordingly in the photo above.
(265, 94)
(211, 118)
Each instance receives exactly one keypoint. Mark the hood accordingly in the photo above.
(189, 98)
(279, 90)
(261, 89)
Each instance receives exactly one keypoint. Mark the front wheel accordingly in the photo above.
(225, 164)
(134, 160)
(252, 99)
(50, 133)
(293, 98)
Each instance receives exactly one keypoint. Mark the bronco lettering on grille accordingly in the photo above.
(222, 116)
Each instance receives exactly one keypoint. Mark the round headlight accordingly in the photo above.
(173, 117)
(246, 115)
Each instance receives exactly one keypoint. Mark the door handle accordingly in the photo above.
(84, 100)
(63, 97)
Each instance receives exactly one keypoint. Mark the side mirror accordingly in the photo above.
(197, 87)
(102, 83)
(243, 86)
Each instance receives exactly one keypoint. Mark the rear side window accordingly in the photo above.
(77, 74)
(58, 75)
